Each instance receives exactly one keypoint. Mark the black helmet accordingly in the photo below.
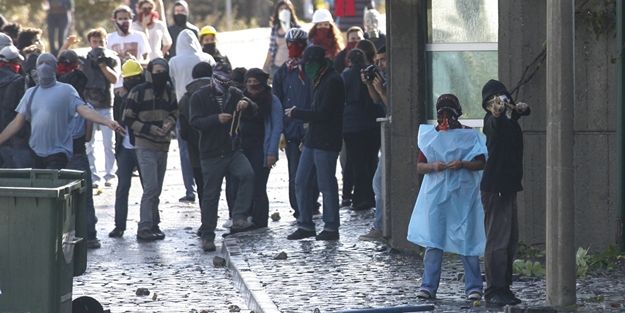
(297, 35)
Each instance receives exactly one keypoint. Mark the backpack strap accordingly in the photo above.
(30, 100)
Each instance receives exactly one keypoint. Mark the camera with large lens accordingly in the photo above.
(96, 56)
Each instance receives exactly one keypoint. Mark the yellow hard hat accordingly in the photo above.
(208, 30)
(131, 68)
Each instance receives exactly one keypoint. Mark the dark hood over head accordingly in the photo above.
(150, 67)
(493, 87)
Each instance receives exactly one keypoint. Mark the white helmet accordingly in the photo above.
(322, 15)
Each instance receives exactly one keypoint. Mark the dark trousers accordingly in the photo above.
(362, 150)
(347, 173)
(259, 210)
(502, 236)
(81, 163)
(59, 25)
(199, 182)
(55, 161)
(293, 155)
(126, 163)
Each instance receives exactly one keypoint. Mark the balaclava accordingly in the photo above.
(181, 19)
(46, 70)
(221, 78)
(159, 80)
(448, 110)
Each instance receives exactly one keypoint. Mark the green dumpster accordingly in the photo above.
(42, 239)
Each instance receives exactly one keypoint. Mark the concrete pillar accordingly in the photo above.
(561, 266)
(406, 38)
(620, 120)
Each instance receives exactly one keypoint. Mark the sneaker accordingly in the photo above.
(146, 235)
(208, 245)
(116, 233)
(227, 224)
(474, 295)
(242, 225)
(424, 294)
(328, 235)
(93, 243)
(135, 173)
(372, 235)
(500, 299)
(301, 234)
(510, 295)
(158, 233)
(362, 206)
(187, 199)
(107, 183)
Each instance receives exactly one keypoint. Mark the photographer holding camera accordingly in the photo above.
(102, 68)
(376, 84)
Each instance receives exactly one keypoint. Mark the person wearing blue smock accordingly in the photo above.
(448, 215)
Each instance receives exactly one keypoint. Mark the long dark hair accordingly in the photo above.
(275, 20)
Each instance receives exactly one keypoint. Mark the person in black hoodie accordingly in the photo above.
(10, 70)
(499, 186)
(216, 112)
(201, 74)
(23, 155)
(181, 22)
(322, 144)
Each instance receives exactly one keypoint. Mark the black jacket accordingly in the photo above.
(189, 134)
(12, 98)
(215, 139)
(504, 167)
(325, 117)
(7, 76)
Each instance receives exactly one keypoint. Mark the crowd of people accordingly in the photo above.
(314, 97)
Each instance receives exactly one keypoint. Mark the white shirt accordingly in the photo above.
(157, 35)
(135, 44)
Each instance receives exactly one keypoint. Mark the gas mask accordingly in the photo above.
(285, 20)
(371, 24)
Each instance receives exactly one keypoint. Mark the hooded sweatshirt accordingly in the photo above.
(12, 97)
(189, 53)
(188, 133)
(148, 110)
(175, 29)
(7, 76)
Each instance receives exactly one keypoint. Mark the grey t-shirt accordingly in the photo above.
(50, 114)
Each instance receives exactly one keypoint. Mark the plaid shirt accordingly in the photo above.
(273, 46)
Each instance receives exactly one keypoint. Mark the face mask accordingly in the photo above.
(47, 75)
(371, 25)
(123, 26)
(295, 51)
(285, 20)
(63, 68)
(180, 19)
(254, 90)
(209, 48)
(221, 83)
(312, 68)
(15, 67)
(159, 80)
(447, 121)
(351, 45)
(321, 34)
(131, 82)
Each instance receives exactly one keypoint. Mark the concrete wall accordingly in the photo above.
(521, 38)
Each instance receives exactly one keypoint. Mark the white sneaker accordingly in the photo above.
(227, 224)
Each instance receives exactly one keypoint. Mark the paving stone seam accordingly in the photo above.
(246, 280)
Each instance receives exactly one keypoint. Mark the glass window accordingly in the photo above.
(462, 53)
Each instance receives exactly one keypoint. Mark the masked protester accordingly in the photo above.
(260, 136)
(181, 22)
(294, 88)
(371, 23)
(208, 41)
(10, 71)
(448, 215)
(128, 43)
(283, 19)
(354, 35)
(149, 23)
(67, 71)
(151, 113)
(325, 33)
(181, 68)
(124, 146)
(499, 186)
(321, 145)
(216, 112)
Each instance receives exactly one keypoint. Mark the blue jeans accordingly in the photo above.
(377, 189)
(152, 164)
(23, 157)
(213, 171)
(292, 156)
(185, 165)
(81, 163)
(323, 163)
(126, 162)
(432, 261)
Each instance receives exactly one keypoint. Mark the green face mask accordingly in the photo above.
(312, 68)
